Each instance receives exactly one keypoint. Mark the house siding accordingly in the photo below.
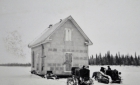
(56, 49)
(76, 47)
(37, 57)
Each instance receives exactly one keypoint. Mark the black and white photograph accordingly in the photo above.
(69, 42)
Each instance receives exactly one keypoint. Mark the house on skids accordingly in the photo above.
(60, 47)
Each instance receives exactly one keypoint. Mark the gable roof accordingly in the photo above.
(44, 37)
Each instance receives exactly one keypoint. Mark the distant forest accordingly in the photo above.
(109, 59)
(16, 64)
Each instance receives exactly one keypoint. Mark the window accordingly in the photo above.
(38, 57)
(68, 34)
(85, 58)
(68, 50)
(81, 51)
(42, 68)
(85, 51)
(61, 68)
(58, 64)
(76, 58)
(54, 64)
(51, 68)
(43, 58)
(54, 49)
(72, 50)
(37, 67)
(49, 64)
(33, 59)
(56, 68)
(81, 58)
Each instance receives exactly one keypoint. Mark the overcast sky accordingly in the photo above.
(110, 24)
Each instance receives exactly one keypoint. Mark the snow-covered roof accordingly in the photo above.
(44, 37)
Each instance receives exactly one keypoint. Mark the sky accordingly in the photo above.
(112, 25)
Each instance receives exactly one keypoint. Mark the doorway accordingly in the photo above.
(68, 61)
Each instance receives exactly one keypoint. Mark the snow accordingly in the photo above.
(129, 74)
(22, 76)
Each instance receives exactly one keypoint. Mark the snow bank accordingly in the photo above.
(22, 76)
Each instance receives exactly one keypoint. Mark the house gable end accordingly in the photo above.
(59, 35)
(45, 37)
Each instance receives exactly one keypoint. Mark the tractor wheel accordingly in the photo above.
(91, 82)
(70, 81)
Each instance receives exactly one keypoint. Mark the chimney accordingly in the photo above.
(50, 26)
(60, 20)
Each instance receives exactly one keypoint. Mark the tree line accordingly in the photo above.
(16, 64)
(109, 59)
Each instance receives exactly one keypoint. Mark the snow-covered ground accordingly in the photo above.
(22, 76)
(130, 74)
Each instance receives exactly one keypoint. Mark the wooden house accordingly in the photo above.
(61, 46)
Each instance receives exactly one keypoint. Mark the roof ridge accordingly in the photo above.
(48, 32)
